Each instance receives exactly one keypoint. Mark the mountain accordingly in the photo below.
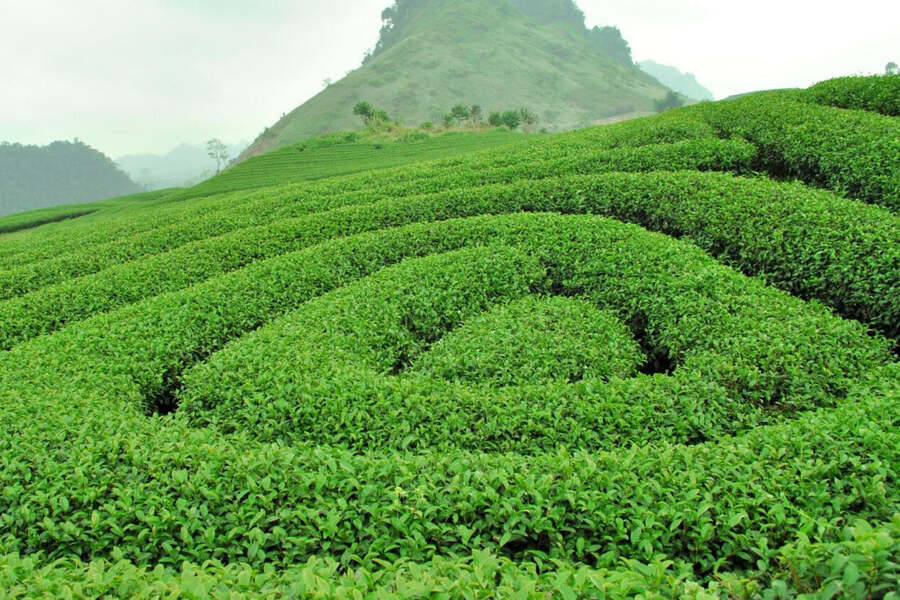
(499, 54)
(59, 173)
(184, 165)
(684, 83)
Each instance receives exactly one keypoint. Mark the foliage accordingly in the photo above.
(460, 112)
(671, 100)
(878, 93)
(479, 376)
(511, 118)
(856, 153)
(365, 111)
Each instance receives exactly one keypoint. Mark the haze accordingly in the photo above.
(135, 76)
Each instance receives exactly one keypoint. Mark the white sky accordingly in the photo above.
(133, 76)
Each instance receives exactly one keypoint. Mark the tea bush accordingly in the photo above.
(877, 93)
(474, 377)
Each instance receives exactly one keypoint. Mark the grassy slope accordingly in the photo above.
(52, 214)
(330, 156)
(476, 52)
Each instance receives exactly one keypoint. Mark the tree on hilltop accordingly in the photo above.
(218, 152)
(671, 100)
(475, 114)
(527, 116)
(512, 119)
(891, 69)
(364, 110)
(459, 112)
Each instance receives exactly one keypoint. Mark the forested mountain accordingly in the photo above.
(59, 173)
(498, 54)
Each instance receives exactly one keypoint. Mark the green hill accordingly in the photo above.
(350, 152)
(34, 177)
(502, 54)
(651, 359)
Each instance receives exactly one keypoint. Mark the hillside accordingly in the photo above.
(499, 54)
(60, 173)
(683, 83)
(349, 152)
(653, 359)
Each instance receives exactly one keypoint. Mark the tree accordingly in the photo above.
(364, 110)
(380, 116)
(528, 117)
(460, 113)
(218, 152)
(891, 69)
(495, 119)
(512, 119)
(448, 120)
(672, 100)
(475, 114)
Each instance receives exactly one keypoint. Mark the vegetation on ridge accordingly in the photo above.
(434, 54)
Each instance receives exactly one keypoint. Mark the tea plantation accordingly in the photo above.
(655, 359)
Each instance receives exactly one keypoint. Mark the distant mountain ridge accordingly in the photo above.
(683, 83)
(59, 173)
(184, 165)
(499, 54)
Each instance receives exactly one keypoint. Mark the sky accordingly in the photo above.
(142, 76)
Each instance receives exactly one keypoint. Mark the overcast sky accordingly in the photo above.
(133, 76)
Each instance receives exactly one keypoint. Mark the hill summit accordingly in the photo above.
(499, 54)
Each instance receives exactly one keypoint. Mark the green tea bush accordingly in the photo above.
(297, 380)
(855, 153)
(699, 154)
(464, 379)
(639, 132)
(534, 340)
(838, 251)
(876, 93)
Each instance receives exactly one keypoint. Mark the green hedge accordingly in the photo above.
(85, 473)
(194, 203)
(701, 154)
(755, 355)
(810, 243)
(876, 93)
(855, 153)
(534, 340)
(481, 575)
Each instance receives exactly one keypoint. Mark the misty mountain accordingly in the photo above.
(184, 165)
(499, 54)
(683, 83)
(59, 173)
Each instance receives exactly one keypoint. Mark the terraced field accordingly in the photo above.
(655, 359)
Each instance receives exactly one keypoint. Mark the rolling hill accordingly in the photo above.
(653, 359)
(502, 54)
